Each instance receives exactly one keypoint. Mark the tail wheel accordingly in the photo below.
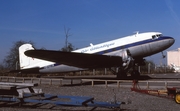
(177, 98)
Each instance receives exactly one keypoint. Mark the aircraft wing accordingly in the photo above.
(80, 60)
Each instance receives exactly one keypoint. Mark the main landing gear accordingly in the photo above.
(130, 69)
(123, 74)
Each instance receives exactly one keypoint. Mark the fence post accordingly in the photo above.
(147, 84)
(94, 72)
(39, 80)
(81, 82)
(71, 81)
(105, 71)
(106, 84)
(23, 80)
(92, 83)
(14, 79)
(61, 82)
(50, 81)
(166, 84)
(118, 84)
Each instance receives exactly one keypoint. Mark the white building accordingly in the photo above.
(173, 57)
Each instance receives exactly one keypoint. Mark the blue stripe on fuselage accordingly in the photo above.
(132, 45)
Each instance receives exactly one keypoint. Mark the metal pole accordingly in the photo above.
(94, 72)
(149, 68)
(16, 65)
(105, 71)
(139, 68)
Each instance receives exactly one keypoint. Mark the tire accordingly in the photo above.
(177, 98)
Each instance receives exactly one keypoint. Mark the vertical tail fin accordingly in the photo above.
(23, 59)
(29, 62)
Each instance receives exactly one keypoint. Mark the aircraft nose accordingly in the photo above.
(167, 42)
(171, 41)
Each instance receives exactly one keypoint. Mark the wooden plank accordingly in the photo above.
(18, 84)
(7, 87)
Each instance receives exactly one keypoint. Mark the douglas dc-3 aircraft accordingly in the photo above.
(123, 54)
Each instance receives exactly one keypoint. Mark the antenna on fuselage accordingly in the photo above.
(91, 44)
(136, 33)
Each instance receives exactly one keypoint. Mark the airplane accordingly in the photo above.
(121, 56)
(175, 68)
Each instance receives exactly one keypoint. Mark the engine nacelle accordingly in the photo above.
(126, 57)
(123, 54)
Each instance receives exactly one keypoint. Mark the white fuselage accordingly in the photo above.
(139, 46)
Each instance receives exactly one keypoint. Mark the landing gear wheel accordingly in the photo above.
(177, 98)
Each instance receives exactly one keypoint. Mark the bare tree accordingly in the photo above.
(68, 46)
(66, 31)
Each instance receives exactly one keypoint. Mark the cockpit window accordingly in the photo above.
(156, 36)
(159, 35)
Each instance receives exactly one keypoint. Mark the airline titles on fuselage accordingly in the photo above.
(92, 48)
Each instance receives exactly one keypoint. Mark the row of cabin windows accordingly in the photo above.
(114, 49)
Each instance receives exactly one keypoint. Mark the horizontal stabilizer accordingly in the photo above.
(76, 59)
(27, 71)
